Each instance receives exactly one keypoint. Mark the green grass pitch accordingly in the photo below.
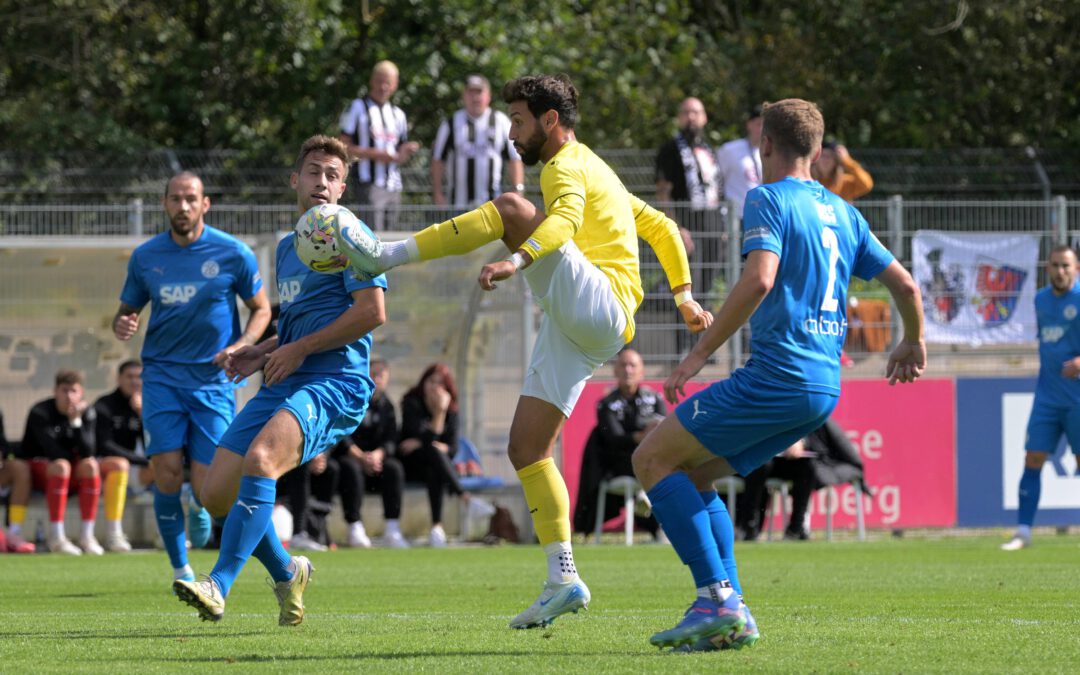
(911, 606)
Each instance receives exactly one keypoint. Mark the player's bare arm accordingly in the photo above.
(754, 284)
(367, 313)
(126, 322)
(257, 322)
(249, 359)
(908, 360)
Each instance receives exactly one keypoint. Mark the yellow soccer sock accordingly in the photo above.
(548, 500)
(115, 494)
(460, 234)
(17, 514)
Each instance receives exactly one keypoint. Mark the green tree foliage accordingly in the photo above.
(109, 76)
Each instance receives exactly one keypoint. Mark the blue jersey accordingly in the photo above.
(1059, 341)
(310, 301)
(798, 330)
(192, 294)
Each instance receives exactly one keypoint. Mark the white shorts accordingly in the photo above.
(582, 326)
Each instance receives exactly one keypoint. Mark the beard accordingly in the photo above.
(530, 148)
(691, 132)
(181, 225)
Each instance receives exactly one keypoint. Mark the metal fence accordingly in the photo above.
(983, 173)
(63, 267)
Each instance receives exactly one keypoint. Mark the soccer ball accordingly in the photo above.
(314, 241)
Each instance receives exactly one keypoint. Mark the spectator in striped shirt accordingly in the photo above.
(472, 147)
(376, 135)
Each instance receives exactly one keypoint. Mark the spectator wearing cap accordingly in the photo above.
(376, 134)
(840, 173)
(472, 149)
(739, 161)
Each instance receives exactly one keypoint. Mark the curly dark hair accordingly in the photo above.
(543, 93)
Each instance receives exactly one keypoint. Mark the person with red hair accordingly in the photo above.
(428, 441)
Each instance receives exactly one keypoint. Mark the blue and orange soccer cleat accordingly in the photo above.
(746, 637)
(706, 618)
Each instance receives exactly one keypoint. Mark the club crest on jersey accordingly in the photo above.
(997, 288)
(210, 269)
(1070, 312)
(289, 289)
(178, 294)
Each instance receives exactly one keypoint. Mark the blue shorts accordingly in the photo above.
(328, 409)
(1048, 423)
(748, 421)
(190, 419)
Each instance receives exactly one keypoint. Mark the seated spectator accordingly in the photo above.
(841, 174)
(118, 435)
(59, 445)
(308, 513)
(367, 463)
(623, 418)
(15, 484)
(825, 457)
(428, 441)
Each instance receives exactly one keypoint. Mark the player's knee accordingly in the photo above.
(60, 468)
(20, 470)
(262, 460)
(88, 468)
(513, 207)
(1034, 460)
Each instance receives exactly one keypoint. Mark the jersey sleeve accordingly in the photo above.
(443, 142)
(563, 187)
(134, 294)
(354, 284)
(248, 280)
(350, 119)
(871, 258)
(662, 235)
(763, 224)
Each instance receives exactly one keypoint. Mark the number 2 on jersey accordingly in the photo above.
(831, 244)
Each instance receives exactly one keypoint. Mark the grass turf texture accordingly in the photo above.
(908, 605)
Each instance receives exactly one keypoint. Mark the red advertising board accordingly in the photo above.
(906, 436)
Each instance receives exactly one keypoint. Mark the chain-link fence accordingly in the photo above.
(66, 177)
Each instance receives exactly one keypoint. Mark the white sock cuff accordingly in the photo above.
(557, 547)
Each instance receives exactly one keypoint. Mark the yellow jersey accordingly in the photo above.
(585, 201)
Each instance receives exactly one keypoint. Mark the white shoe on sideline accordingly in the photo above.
(358, 537)
(394, 540)
(1016, 543)
(437, 537)
(117, 543)
(90, 545)
(301, 541)
(63, 545)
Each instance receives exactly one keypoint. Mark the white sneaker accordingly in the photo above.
(554, 601)
(63, 545)
(301, 541)
(117, 543)
(437, 538)
(358, 537)
(362, 248)
(1016, 543)
(90, 545)
(394, 540)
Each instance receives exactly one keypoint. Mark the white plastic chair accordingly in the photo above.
(631, 491)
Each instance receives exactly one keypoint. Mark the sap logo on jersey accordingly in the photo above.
(289, 288)
(823, 326)
(178, 294)
(1051, 334)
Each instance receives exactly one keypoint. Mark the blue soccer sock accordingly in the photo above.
(169, 513)
(680, 511)
(245, 526)
(724, 533)
(273, 555)
(1030, 490)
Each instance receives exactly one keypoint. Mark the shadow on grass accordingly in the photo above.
(374, 656)
(98, 635)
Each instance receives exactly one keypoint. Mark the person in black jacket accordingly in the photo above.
(59, 445)
(367, 463)
(623, 417)
(119, 437)
(428, 440)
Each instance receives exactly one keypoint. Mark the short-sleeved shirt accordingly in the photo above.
(1059, 341)
(798, 330)
(311, 301)
(739, 164)
(383, 127)
(474, 150)
(193, 314)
